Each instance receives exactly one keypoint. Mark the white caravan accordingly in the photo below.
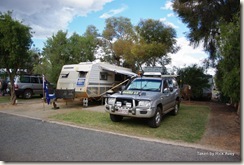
(90, 80)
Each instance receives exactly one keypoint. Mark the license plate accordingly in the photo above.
(122, 110)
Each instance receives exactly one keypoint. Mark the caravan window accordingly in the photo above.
(82, 74)
(103, 76)
(64, 75)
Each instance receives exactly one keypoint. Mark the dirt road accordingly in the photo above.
(223, 128)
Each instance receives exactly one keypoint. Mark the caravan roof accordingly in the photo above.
(117, 69)
(87, 66)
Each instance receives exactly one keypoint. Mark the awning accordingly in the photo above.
(120, 71)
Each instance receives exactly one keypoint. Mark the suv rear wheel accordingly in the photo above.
(155, 121)
(176, 108)
(27, 94)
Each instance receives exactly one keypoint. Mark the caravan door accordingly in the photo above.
(81, 84)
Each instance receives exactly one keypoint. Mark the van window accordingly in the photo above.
(175, 83)
(165, 84)
(24, 79)
(34, 80)
(41, 80)
(170, 83)
(103, 76)
(82, 74)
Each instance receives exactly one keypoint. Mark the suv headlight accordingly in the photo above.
(111, 100)
(144, 104)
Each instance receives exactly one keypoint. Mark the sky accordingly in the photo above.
(47, 17)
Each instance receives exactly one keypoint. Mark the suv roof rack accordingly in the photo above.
(169, 75)
(26, 74)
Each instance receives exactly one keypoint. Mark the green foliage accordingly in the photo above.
(91, 30)
(15, 42)
(118, 28)
(15, 39)
(147, 43)
(60, 50)
(195, 77)
(56, 53)
(228, 73)
(34, 61)
(118, 32)
(202, 19)
(155, 41)
(217, 24)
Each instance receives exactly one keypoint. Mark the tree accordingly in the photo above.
(155, 41)
(195, 77)
(34, 61)
(91, 30)
(228, 68)
(147, 43)
(56, 53)
(203, 17)
(119, 32)
(15, 41)
(217, 24)
(81, 48)
(118, 28)
(92, 38)
(60, 50)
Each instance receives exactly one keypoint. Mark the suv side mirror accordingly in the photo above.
(166, 90)
(123, 87)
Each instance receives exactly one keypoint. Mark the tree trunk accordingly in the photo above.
(238, 109)
(12, 88)
(13, 96)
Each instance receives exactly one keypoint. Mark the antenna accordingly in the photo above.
(141, 87)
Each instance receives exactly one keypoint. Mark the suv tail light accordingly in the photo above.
(16, 87)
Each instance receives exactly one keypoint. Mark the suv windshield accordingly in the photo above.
(145, 85)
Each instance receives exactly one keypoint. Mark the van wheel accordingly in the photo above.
(116, 118)
(176, 108)
(155, 121)
(27, 94)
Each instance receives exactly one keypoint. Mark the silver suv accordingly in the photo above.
(28, 85)
(145, 97)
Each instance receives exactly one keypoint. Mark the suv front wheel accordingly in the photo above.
(116, 118)
(155, 121)
(27, 94)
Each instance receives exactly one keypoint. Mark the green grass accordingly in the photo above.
(4, 99)
(189, 125)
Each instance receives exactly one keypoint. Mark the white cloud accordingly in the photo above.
(168, 6)
(164, 20)
(187, 55)
(170, 15)
(113, 12)
(47, 17)
(172, 25)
